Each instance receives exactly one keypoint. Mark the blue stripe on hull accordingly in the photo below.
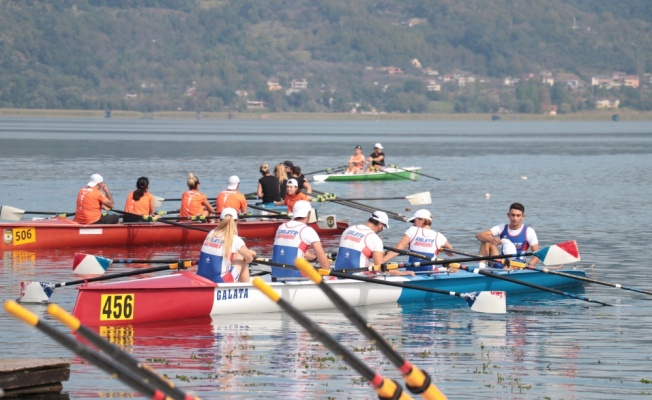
(463, 282)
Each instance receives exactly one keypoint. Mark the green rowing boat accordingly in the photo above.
(389, 174)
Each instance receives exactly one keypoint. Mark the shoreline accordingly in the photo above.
(606, 115)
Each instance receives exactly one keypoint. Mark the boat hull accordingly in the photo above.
(187, 295)
(390, 174)
(63, 233)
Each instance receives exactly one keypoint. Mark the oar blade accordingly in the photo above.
(561, 253)
(86, 264)
(488, 302)
(35, 292)
(419, 198)
(158, 201)
(10, 213)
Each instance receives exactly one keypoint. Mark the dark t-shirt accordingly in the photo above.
(379, 163)
(300, 180)
(271, 189)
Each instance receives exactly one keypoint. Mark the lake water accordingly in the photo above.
(590, 182)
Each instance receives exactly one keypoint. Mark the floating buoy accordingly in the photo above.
(487, 195)
(408, 208)
(523, 177)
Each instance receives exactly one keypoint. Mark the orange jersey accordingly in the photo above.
(89, 205)
(192, 203)
(357, 161)
(144, 206)
(291, 199)
(233, 199)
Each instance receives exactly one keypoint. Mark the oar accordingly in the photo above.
(416, 172)
(414, 199)
(147, 218)
(384, 387)
(106, 364)
(270, 210)
(366, 208)
(10, 213)
(485, 302)
(327, 170)
(543, 253)
(417, 381)
(88, 264)
(135, 367)
(40, 292)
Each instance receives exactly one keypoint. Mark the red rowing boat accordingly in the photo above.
(59, 232)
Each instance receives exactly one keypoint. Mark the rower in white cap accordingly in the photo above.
(376, 161)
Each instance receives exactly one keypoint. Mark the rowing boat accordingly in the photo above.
(184, 294)
(389, 174)
(60, 232)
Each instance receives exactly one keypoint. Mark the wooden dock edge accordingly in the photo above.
(30, 376)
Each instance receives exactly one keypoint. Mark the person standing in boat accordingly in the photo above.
(224, 257)
(91, 200)
(293, 238)
(281, 174)
(292, 195)
(301, 180)
(514, 238)
(376, 161)
(139, 202)
(361, 244)
(193, 202)
(269, 189)
(231, 197)
(356, 161)
(422, 239)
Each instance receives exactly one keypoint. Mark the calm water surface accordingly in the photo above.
(584, 181)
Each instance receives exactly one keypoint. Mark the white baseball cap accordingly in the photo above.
(381, 217)
(95, 179)
(378, 145)
(229, 211)
(292, 182)
(422, 213)
(233, 182)
(301, 209)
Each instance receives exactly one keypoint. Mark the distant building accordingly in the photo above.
(255, 105)
(273, 85)
(607, 103)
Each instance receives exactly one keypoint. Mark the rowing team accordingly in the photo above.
(360, 245)
(95, 196)
(375, 161)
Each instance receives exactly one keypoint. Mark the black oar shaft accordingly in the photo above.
(121, 274)
(364, 207)
(417, 172)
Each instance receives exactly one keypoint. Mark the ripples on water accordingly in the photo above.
(585, 181)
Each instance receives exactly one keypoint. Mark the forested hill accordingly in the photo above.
(197, 54)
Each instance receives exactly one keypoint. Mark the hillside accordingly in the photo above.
(204, 55)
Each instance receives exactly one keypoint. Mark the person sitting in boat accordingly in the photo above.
(139, 202)
(281, 174)
(356, 161)
(301, 180)
(360, 243)
(193, 202)
(292, 195)
(231, 197)
(220, 265)
(269, 190)
(521, 236)
(422, 239)
(293, 238)
(376, 160)
(91, 200)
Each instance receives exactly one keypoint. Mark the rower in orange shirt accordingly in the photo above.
(139, 202)
(231, 198)
(292, 195)
(193, 202)
(91, 200)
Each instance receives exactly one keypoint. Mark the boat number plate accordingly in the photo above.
(117, 307)
(20, 236)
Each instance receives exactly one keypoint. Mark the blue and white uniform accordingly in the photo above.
(426, 242)
(214, 264)
(357, 245)
(522, 238)
(292, 240)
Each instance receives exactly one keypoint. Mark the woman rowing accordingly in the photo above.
(292, 196)
(356, 161)
(139, 202)
(91, 200)
(224, 256)
(193, 202)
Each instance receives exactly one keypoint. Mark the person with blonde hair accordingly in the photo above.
(140, 202)
(282, 176)
(224, 257)
(193, 202)
(269, 189)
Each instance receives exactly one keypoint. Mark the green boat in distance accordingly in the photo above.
(389, 174)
